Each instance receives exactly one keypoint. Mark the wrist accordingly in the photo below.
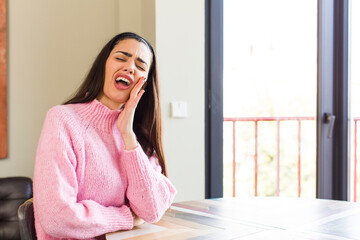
(130, 141)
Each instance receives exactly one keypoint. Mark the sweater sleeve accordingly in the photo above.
(57, 209)
(149, 192)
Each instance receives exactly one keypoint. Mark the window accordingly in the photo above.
(331, 93)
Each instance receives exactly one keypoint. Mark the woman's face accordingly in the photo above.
(129, 61)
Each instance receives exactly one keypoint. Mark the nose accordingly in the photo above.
(129, 69)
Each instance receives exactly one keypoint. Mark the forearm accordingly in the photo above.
(150, 193)
(86, 219)
(59, 211)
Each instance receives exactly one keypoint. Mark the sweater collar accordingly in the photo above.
(99, 115)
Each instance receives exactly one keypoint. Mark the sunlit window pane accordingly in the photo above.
(270, 63)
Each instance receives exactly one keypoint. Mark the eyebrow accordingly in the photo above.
(130, 55)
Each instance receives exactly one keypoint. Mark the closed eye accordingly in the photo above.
(120, 59)
(141, 68)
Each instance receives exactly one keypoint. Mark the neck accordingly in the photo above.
(108, 103)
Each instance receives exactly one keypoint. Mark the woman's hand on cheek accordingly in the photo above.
(126, 117)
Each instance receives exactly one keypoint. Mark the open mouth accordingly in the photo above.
(123, 81)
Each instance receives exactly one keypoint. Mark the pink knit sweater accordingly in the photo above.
(85, 182)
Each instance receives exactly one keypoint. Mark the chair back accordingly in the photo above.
(26, 220)
(13, 192)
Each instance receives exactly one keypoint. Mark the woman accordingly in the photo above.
(100, 165)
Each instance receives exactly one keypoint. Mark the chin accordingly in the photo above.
(120, 99)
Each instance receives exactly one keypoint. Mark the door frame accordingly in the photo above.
(332, 152)
(213, 98)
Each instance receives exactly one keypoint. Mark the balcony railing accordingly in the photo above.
(278, 120)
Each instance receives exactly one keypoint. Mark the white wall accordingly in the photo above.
(175, 28)
(137, 16)
(51, 45)
(180, 43)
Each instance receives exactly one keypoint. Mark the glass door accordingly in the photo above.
(269, 97)
(277, 99)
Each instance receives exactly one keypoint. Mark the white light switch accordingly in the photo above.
(178, 109)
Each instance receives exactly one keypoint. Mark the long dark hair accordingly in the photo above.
(147, 119)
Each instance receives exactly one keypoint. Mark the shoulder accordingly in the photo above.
(61, 113)
(62, 124)
(60, 110)
(63, 116)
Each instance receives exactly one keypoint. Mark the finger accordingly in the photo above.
(141, 82)
(137, 99)
(140, 94)
(135, 91)
(133, 102)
